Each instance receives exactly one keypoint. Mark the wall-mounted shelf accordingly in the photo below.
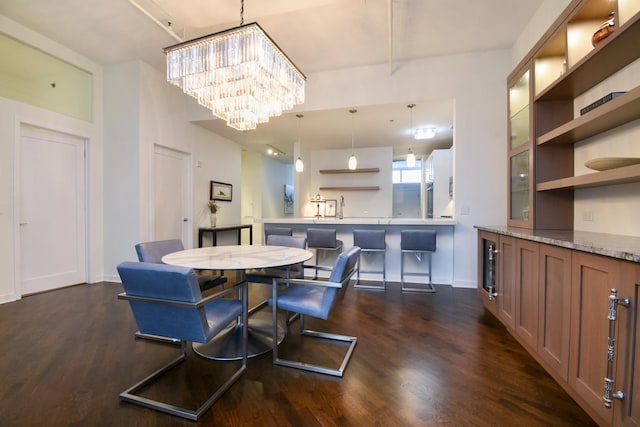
(613, 54)
(369, 188)
(621, 175)
(619, 111)
(361, 170)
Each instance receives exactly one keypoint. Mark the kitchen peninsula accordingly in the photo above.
(442, 258)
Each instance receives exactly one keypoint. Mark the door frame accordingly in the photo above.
(17, 192)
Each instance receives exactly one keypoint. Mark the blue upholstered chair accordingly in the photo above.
(166, 301)
(266, 275)
(279, 231)
(322, 240)
(154, 251)
(315, 298)
(419, 243)
(371, 242)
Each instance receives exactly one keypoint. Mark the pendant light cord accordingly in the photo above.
(352, 128)
(241, 12)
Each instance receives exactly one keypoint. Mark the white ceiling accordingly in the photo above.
(343, 33)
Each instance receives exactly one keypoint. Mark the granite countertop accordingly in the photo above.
(358, 221)
(612, 245)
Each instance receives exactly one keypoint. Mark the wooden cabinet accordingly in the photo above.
(488, 266)
(527, 293)
(556, 302)
(593, 279)
(506, 291)
(562, 74)
(554, 308)
(497, 274)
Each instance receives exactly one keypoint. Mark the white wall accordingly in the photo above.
(12, 114)
(144, 111)
(359, 204)
(274, 176)
(540, 22)
(477, 82)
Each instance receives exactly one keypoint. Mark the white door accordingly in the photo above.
(172, 197)
(52, 210)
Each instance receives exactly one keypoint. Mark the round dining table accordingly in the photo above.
(227, 345)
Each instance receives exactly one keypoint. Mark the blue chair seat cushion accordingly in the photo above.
(220, 313)
(315, 301)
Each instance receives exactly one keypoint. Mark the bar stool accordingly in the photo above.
(371, 241)
(322, 240)
(418, 242)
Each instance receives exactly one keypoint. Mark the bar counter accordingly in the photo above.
(442, 258)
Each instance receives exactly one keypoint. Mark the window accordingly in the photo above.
(406, 189)
(404, 174)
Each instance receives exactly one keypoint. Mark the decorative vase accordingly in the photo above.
(605, 30)
(214, 219)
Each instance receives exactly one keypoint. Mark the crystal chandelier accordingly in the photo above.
(240, 74)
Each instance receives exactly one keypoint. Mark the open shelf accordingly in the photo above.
(361, 170)
(616, 52)
(621, 175)
(616, 112)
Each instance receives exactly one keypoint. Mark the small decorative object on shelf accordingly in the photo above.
(605, 30)
(600, 102)
(606, 163)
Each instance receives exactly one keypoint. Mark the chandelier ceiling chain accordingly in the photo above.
(240, 74)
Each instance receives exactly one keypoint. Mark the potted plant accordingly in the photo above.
(213, 208)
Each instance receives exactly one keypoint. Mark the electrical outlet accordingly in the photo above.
(587, 215)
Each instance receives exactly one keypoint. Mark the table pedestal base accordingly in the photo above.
(227, 345)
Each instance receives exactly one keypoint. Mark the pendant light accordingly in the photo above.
(299, 164)
(411, 158)
(353, 162)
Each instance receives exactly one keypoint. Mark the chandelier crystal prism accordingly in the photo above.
(240, 74)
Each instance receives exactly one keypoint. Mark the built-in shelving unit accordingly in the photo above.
(565, 66)
(361, 170)
(619, 111)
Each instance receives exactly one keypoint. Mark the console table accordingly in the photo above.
(215, 230)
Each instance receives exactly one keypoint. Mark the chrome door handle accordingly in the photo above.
(609, 394)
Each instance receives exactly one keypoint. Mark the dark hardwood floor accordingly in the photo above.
(421, 360)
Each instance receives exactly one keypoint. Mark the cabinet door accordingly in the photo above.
(507, 281)
(592, 279)
(555, 307)
(527, 292)
(520, 149)
(627, 351)
(488, 260)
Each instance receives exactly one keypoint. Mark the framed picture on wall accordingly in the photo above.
(220, 191)
(330, 208)
(288, 199)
